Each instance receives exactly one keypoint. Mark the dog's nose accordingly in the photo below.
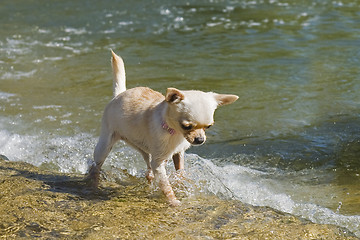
(199, 140)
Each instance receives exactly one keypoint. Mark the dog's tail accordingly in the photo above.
(119, 78)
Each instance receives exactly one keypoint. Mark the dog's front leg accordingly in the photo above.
(158, 167)
(179, 162)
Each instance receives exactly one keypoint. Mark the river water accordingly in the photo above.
(291, 141)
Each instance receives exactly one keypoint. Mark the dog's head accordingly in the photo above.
(192, 112)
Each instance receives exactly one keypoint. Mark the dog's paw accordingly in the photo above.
(149, 175)
(174, 202)
(91, 182)
(92, 179)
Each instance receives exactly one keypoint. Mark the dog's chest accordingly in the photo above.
(178, 144)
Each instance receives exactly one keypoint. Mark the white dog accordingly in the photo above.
(159, 127)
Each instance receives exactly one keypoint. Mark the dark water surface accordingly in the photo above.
(291, 141)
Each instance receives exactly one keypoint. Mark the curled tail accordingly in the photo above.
(119, 79)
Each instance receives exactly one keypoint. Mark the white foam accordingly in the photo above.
(109, 31)
(165, 12)
(213, 24)
(14, 146)
(47, 107)
(6, 96)
(76, 31)
(256, 188)
(74, 154)
(18, 74)
(47, 59)
(65, 153)
(324, 215)
(65, 122)
(123, 23)
(229, 9)
(68, 154)
(44, 31)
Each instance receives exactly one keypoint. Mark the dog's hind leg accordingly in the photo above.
(102, 150)
(149, 173)
(147, 157)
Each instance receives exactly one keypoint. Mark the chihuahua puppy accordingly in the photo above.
(159, 127)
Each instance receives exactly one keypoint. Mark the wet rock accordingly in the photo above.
(3, 157)
(47, 205)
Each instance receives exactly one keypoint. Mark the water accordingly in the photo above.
(290, 142)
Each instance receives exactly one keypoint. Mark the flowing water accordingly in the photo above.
(291, 141)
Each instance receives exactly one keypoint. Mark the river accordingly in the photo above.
(291, 141)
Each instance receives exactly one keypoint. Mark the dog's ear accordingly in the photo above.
(225, 99)
(174, 95)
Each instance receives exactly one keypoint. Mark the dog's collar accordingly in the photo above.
(167, 128)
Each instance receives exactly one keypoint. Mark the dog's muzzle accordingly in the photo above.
(198, 141)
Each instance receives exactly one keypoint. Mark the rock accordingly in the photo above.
(47, 205)
(3, 157)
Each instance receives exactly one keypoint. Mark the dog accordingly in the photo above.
(159, 127)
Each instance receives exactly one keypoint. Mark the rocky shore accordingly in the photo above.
(49, 205)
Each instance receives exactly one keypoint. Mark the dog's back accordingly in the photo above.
(135, 101)
(131, 114)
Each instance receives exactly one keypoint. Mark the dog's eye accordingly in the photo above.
(186, 127)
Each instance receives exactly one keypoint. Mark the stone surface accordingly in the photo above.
(47, 205)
